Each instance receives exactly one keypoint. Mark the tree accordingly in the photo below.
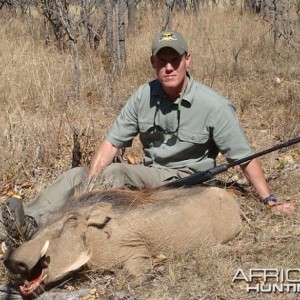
(168, 20)
(121, 31)
(131, 16)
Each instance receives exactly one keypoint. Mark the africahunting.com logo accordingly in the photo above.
(268, 280)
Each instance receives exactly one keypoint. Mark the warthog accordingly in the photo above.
(125, 229)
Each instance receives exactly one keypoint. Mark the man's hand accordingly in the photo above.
(256, 177)
(282, 207)
(102, 157)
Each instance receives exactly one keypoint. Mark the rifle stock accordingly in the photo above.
(203, 176)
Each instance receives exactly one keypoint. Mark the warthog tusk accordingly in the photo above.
(44, 249)
(3, 247)
(43, 278)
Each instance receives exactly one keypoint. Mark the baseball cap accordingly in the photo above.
(172, 39)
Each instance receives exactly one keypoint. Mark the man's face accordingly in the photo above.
(170, 69)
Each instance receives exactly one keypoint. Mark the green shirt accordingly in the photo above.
(187, 133)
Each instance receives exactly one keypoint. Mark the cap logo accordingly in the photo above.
(167, 36)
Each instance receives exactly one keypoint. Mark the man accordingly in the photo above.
(182, 124)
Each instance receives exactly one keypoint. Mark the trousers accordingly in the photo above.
(116, 175)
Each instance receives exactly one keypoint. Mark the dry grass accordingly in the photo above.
(39, 113)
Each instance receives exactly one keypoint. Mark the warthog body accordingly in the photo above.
(126, 229)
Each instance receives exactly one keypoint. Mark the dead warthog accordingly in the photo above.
(125, 229)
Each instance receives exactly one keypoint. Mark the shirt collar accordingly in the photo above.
(158, 93)
(189, 91)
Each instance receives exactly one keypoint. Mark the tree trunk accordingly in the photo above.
(111, 62)
(70, 29)
(275, 22)
(131, 17)
(121, 31)
(109, 27)
(168, 21)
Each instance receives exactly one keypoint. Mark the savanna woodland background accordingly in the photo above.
(68, 67)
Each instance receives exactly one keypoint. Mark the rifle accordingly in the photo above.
(202, 176)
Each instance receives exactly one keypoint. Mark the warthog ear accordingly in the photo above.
(98, 214)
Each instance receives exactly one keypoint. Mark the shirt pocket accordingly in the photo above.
(193, 137)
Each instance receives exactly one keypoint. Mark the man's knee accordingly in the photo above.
(114, 170)
(114, 176)
(76, 175)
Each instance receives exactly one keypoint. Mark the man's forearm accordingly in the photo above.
(102, 157)
(255, 175)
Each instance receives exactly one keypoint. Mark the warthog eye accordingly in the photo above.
(70, 223)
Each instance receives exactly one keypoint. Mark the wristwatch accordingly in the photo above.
(269, 199)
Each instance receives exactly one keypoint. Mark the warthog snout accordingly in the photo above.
(33, 272)
(41, 261)
(16, 267)
(21, 267)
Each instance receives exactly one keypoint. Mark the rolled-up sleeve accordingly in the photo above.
(228, 133)
(125, 128)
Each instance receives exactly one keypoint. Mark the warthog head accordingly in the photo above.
(55, 251)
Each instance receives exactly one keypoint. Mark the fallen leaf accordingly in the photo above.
(157, 259)
(133, 160)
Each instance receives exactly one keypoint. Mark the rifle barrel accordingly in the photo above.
(261, 153)
(202, 176)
